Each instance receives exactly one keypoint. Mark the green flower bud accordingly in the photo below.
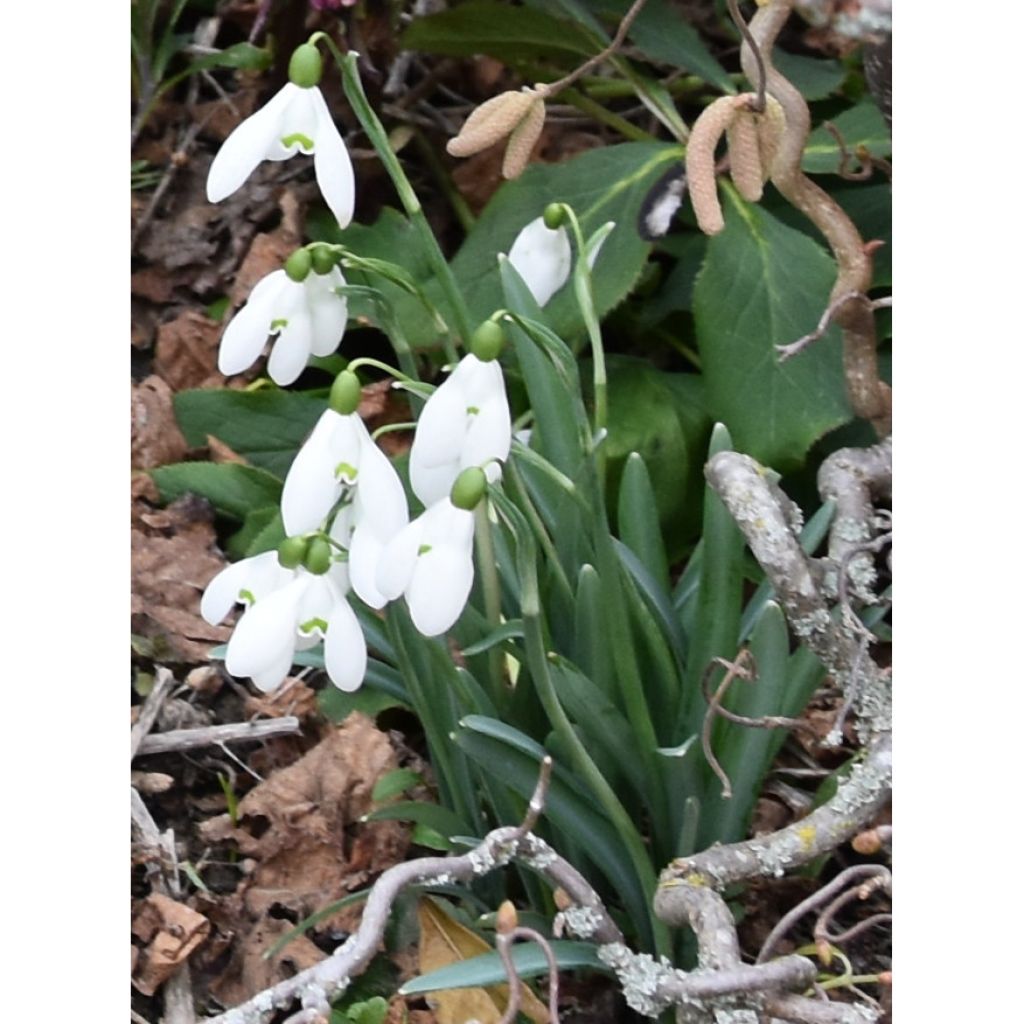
(487, 341)
(306, 66)
(291, 551)
(346, 393)
(469, 487)
(554, 216)
(298, 265)
(323, 260)
(318, 556)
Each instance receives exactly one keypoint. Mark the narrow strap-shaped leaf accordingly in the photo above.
(639, 528)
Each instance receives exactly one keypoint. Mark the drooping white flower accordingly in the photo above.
(308, 316)
(465, 422)
(430, 561)
(542, 258)
(296, 120)
(340, 461)
(287, 609)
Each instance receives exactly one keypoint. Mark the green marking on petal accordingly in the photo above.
(297, 137)
(314, 623)
(344, 469)
(424, 548)
(279, 324)
(472, 410)
(247, 596)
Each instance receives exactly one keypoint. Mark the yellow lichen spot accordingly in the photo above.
(693, 878)
(807, 835)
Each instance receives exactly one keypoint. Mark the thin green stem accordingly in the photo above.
(492, 595)
(410, 201)
(588, 105)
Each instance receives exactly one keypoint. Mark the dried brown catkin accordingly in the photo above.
(700, 162)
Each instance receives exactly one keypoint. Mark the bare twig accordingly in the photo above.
(742, 668)
(624, 26)
(215, 735)
(791, 349)
(503, 941)
(162, 686)
(760, 82)
(882, 879)
(846, 157)
(802, 1010)
(815, 900)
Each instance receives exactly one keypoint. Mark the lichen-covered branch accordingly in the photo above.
(869, 395)
(315, 987)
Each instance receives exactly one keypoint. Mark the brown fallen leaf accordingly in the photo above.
(293, 698)
(248, 972)
(171, 931)
(220, 452)
(174, 556)
(444, 941)
(301, 826)
(186, 352)
(269, 251)
(156, 439)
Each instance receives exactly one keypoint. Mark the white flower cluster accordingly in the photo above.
(343, 505)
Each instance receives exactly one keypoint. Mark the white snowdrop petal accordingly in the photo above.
(332, 164)
(250, 143)
(542, 258)
(380, 497)
(439, 589)
(221, 593)
(247, 332)
(345, 648)
(290, 353)
(265, 634)
(310, 488)
(298, 118)
(274, 674)
(328, 311)
(363, 561)
(489, 435)
(398, 560)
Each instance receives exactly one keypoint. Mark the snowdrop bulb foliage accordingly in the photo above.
(287, 609)
(296, 120)
(542, 258)
(430, 561)
(308, 317)
(466, 422)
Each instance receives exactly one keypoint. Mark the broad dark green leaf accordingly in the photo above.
(862, 125)
(814, 77)
(498, 30)
(266, 427)
(232, 489)
(487, 969)
(261, 531)
(764, 284)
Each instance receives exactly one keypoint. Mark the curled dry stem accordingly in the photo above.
(870, 397)
(503, 942)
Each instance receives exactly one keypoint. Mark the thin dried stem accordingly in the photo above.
(791, 349)
(504, 941)
(216, 735)
(815, 900)
(627, 20)
(758, 104)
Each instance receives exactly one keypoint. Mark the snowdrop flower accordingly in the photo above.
(430, 561)
(301, 306)
(295, 120)
(340, 461)
(466, 421)
(293, 597)
(542, 258)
